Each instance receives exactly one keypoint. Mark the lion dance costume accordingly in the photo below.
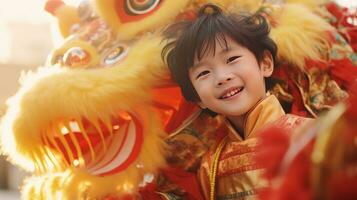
(103, 120)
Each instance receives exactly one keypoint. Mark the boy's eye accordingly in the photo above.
(231, 59)
(202, 74)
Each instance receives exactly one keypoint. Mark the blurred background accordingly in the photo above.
(27, 35)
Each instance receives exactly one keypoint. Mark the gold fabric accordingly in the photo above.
(238, 175)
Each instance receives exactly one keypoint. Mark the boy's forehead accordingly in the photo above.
(210, 48)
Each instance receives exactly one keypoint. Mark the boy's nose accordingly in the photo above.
(224, 79)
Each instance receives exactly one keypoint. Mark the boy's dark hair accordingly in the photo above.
(188, 39)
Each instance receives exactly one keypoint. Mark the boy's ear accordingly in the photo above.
(267, 64)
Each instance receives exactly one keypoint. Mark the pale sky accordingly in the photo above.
(24, 12)
(31, 11)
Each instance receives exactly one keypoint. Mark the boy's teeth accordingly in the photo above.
(231, 93)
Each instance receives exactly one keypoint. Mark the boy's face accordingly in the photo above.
(230, 82)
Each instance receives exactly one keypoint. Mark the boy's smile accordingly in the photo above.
(231, 92)
(230, 81)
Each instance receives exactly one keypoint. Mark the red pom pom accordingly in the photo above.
(274, 142)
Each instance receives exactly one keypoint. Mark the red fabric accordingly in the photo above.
(343, 72)
(284, 73)
(171, 106)
(297, 107)
(149, 192)
(185, 180)
(353, 38)
(342, 186)
(344, 23)
(351, 112)
(335, 10)
(322, 65)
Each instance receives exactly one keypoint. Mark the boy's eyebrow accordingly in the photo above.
(223, 51)
(198, 65)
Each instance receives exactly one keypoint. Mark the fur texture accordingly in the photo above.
(310, 38)
(93, 94)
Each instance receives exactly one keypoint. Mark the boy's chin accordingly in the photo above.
(235, 113)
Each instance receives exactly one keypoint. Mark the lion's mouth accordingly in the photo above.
(101, 148)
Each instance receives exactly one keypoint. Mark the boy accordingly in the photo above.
(223, 62)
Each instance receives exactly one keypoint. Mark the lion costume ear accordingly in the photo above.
(66, 15)
(129, 19)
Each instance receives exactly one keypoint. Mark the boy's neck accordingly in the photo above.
(238, 124)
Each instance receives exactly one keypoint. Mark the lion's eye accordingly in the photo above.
(133, 10)
(139, 7)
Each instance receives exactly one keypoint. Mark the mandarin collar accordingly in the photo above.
(264, 112)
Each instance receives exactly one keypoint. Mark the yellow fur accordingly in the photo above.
(166, 13)
(75, 94)
(300, 34)
(313, 5)
(94, 94)
(67, 16)
(238, 5)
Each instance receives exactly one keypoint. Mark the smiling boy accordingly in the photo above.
(223, 62)
(231, 81)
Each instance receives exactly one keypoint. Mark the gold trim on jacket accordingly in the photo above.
(237, 174)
